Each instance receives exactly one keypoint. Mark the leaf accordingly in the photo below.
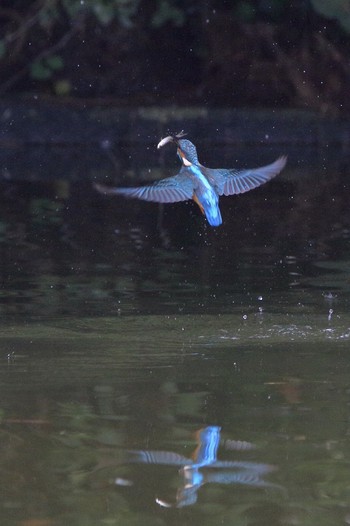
(104, 13)
(48, 15)
(167, 13)
(72, 7)
(43, 69)
(40, 71)
(54, 62)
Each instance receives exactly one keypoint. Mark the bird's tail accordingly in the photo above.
(213, 216)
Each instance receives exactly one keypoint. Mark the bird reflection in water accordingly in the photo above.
(204, 467)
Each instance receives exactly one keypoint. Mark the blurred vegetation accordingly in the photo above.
(337, 9)
(239, 52)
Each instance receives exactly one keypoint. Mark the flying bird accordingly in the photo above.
(195, 181)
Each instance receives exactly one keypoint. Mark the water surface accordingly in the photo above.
(157, 371)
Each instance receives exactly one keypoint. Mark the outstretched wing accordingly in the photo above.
(171, 190)
(229, 182)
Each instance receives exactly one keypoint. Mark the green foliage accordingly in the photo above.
(124, 10)
(48, 15)
(40, 71)
(33, 39)
(105, 11)
(44, 68)
(245, 11)
(73, 7)
(336, 9)
(168, 12)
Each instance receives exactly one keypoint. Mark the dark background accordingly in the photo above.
(271, 53)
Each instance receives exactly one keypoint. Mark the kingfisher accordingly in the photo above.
(195, 181)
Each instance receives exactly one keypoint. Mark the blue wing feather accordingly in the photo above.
(170, 190)
(230, 182)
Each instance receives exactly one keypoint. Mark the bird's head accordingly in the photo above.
(186, 150)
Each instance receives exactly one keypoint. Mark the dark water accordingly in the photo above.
(157, 371)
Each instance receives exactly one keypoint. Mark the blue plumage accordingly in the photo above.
(195, 181)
